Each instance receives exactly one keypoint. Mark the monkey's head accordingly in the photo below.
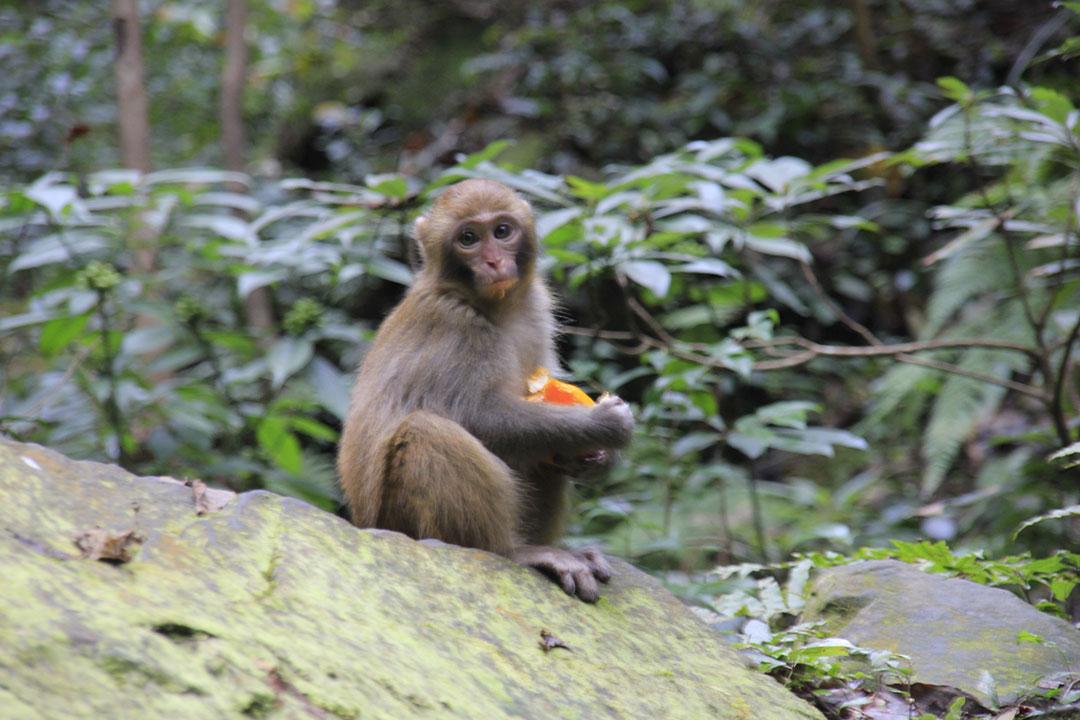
(481, 236)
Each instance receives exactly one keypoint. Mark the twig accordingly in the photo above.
(880, 348)
(1022, 388)
(44, 400)
(859, 328)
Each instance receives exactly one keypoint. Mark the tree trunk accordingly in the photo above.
(132, 112)
(233, 137)
(257, 306)
(865, 38)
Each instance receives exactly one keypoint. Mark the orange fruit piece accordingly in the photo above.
(544, 388)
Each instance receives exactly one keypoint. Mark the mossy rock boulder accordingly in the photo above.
(983, 641)
(263, 606)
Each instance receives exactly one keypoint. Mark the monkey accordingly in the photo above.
(439, 441)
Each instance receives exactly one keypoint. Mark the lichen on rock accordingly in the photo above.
(266, 607)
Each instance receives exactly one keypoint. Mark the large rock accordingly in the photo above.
(270, 608)
(957, 633)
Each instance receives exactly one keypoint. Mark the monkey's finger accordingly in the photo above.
(597, 563)
(587, 589)
(566, 580)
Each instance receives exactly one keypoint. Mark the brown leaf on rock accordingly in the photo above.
(107, 545)
(198, 491)
(207, 499)
(549, 642)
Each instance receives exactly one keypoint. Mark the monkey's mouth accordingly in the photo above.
(497, 290)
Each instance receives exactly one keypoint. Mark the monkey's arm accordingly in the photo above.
(512, 427)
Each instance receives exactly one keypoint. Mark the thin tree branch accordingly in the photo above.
(857, 327)
(813, 350)
(880, 348)
(1023, 388)
(45, 399)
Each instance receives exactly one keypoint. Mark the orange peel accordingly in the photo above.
(544, 388)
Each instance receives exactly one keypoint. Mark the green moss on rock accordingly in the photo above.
(270, 608)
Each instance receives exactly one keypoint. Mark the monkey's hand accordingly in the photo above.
(614, 415)
(576, 572)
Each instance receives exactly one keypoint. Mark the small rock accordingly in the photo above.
(957, 633)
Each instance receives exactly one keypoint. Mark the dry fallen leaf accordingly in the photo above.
(106, 545)
(198, 491)
(549, 642)
(208, 500)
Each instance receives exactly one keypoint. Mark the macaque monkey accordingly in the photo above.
(439, 441)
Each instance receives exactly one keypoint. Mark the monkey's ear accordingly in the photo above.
(418, 235)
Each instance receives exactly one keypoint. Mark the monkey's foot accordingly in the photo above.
(576, 572)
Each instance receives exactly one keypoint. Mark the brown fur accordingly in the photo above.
(439, 441)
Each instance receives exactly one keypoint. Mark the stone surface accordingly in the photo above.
(270, 608)
(957, 633)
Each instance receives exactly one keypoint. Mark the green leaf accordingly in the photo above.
(229, 227)
(279, 444)
(14, 322)
(287, 356)
(708, 266)
(1068, 451)
(1071, 511)
(687, 317)
(491, 152)
(248, 282)
(54, 198)
(956, 709)
(782, 247)
(954, 89)
(313, 428)
(1029, 637)
(829, 647)
(1052, 103)
(649, 274)
(976, 232)
(59, 333)
(790, 414)
(391, 270)
(389, 185)
(586, 190)
(778, 174)
(693, 442)
(1061, 587)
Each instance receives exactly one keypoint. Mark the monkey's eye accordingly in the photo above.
(468, 239)
(502, 231)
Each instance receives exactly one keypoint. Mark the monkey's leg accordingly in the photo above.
(440, 482)
(543, 508)
(543, 504)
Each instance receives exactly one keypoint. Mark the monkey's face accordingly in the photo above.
(491, 251)
(481, 236)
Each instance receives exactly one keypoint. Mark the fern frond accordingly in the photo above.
(976, 270)
(900, 395)
(964, 402)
